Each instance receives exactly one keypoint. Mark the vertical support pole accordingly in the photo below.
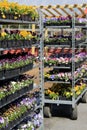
(86, 28)
(46, 48)
(73, 57)
(86, 33)
(33, 30)
(41, 64)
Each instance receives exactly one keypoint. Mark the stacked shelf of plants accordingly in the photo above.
(20, 107)
(65, 57)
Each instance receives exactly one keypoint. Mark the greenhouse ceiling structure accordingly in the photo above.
(64, 10)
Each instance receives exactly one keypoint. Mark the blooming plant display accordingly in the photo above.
(16, 11)
(31, 123)
(56, 59)
(17, 35)
(15, 62)
(11, 87)
(57, 21)
(63, 90)
(65, 76)
(61, 20)
(63, 40)
(16, 110)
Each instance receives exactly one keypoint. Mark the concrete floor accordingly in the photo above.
(60, 121)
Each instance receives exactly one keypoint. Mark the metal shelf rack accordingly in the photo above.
(39, 23)
(74, 101)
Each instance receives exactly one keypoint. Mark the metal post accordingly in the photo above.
(41, 64)
(86, 28)
(73, 57)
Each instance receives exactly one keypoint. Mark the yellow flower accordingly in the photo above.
(78, 92)
(76, 88)
(24, 33)
(3, 16)
(3, 34)
(67, 94)
(15, 17)
(49, 91)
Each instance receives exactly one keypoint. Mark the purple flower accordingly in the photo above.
(1, 120)
(52, 77)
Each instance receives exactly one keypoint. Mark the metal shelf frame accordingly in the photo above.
(74, 100)
(40, 24)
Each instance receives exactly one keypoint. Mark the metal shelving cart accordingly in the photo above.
(74, 101)
(38, 44)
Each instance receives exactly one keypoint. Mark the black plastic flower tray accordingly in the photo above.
(11, 43)
(58, 43)
(17, 121)
(13, 16)
(11, 73)
(1, 74)
(26, 18)
(19, 93)
(25, 90)
(3, 44)
(2, 101)
(20, 43)
(26, 68)
(58, 24)
(47, 97)
(80, 24)
(14, 43)
(64, 98)
(27, 43)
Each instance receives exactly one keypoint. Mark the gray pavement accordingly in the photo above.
(60, 121)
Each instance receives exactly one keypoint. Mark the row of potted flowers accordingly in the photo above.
(17, 35)
(16, 111)
(64, 92)
(17, 62)
(13, 10)
(63, 40)
(17, 38)
(58, 60)
(30, 123)
(61, 21)
(54, 75)
(13, 86)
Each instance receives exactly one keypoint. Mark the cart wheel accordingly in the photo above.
(73, 113)
(84, 98)
(47, 111)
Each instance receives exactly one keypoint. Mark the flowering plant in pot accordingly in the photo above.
(65, 92)
(14, 86)
(13, 10)
(65, 76)
(31, 123)
(14, 111)
(17, 35)
(57, 21)
(55, 40)
(51, 94)
(15, 62)
(66, 60)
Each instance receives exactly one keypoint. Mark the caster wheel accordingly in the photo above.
(73, 113)
(47, 111)
(84, 98)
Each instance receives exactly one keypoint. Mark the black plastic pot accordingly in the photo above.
(26, 17)
(4, 44)
(1, 74)
(26, 68)
(27, 43)
(12, 72)
(64, 98)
